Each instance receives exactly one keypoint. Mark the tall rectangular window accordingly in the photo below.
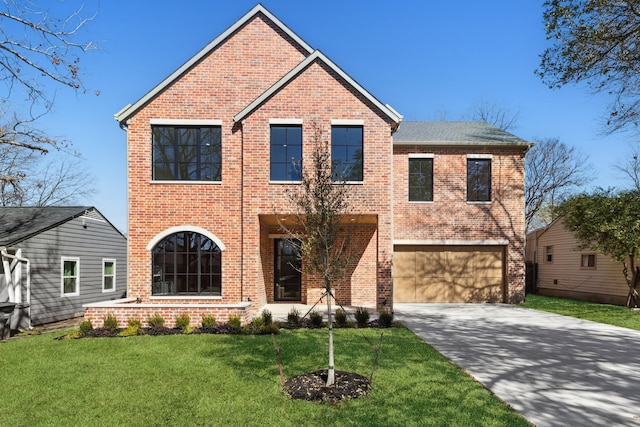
(548, 254)
(347, 156)
(108, 275)
(70, 276)
(478, 180)
(286, 153)
(187, 153)
(588, 261)
(420, 179)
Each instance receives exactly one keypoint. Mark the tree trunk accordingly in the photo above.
(331, 373)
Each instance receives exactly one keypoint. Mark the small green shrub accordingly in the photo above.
(341, 317)
(182, 321)
(155, 321)
(110, 322)
(316, 319)
(267, 317)
(208, 321)
(85, 327)
(385, 318)
(293, 317)
(134, 322)
(235, 322)
(362, 317)
(254, 326)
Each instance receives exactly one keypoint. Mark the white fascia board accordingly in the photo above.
(130, 109)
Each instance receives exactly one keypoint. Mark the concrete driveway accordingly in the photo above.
(554, 370)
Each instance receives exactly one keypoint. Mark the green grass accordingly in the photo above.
(603, 313)
(218, 380)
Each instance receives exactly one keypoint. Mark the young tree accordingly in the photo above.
(320, 204)
(552, 170)
(596, 42)
(608, 223)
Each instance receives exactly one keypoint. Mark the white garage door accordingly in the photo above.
(448, 273)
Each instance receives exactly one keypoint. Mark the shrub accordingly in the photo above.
(182, 321)
(385, 318)
(362, 317)
(235, 322)
(293, 317)
(110, 322)
(316, 319)
(341, 317)
(254, 326)
(208, 322)
(134, 322)
(86, 327)
(155, 321)
(267, 317)
(271, 328)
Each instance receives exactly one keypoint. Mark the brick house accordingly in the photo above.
(210, 156)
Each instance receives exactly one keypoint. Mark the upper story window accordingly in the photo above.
(347, 157)
(187, 153)
(548, 254)
(286, 152)
(420, 178)
(478, 179)
(186, 263)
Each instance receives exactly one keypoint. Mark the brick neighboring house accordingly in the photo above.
(210, 153)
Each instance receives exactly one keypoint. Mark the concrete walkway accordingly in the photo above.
(554, 370)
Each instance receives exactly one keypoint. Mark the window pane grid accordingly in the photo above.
(187, 153)
(285, 153)
(421, 180)
(478, 180)
(347, 153)
(186, 263)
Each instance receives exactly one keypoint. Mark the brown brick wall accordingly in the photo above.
(451, 217)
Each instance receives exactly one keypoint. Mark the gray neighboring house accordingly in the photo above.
(55, 259)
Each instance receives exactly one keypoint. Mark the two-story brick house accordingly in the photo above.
(210, 155)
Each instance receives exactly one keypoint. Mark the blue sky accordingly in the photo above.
(430, 60)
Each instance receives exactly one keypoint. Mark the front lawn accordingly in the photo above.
(603, 313)
(215, 380)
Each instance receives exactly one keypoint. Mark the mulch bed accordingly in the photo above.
(312, 386)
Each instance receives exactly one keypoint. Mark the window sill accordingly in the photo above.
(156, 182)
(284, 182)
(470, 202)
(108, 291)
(420, 202)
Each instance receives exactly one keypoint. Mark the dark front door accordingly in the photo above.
(287, 277)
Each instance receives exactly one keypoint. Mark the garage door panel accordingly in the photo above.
(404, 290)
(448, 274)
(404, 264)
(430, 263)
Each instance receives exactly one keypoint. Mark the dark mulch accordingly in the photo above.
(311, 386)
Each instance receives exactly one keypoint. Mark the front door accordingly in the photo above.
(287, 276)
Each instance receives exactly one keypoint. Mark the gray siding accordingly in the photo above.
(98, 241)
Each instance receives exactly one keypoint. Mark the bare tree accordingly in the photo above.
(27, 178)
(553, 170)
(495, 115)
(629, 168)
(39, 51)
(320, 205)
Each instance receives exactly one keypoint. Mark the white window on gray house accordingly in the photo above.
(70, 276)
(588, 261)
(108, 275)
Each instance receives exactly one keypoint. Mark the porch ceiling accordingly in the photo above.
(273, 220)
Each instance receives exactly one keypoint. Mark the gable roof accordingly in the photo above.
(20, 223)
(129, 110)
(316, 55)
(455, 133)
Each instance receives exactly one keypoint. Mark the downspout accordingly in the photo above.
(4, 253)
(242, 273)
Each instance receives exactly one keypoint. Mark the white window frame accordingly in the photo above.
(112, 260)
(585, 257)
(62, 277)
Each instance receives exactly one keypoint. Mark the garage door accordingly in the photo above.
(448, 273)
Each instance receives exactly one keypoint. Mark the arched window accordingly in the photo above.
(186, 263)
